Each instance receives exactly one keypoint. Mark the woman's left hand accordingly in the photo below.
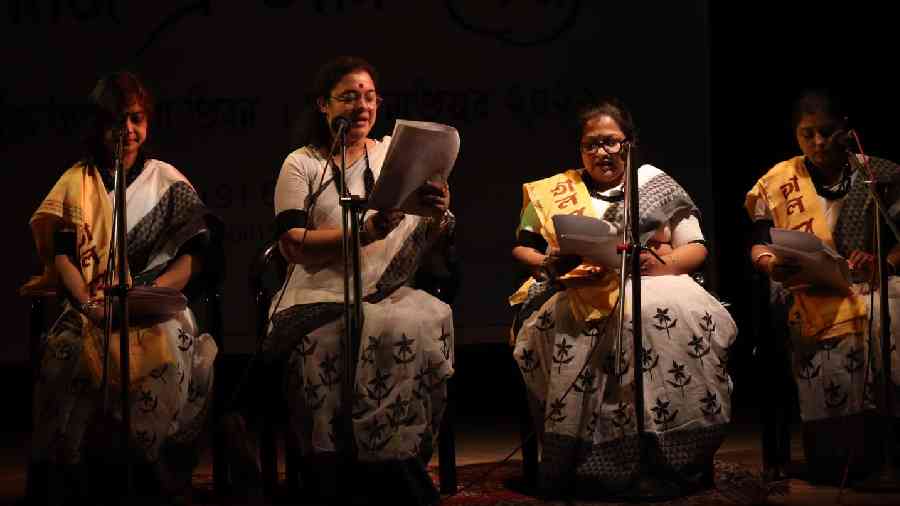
(435, 195)
(652, 266)
(862, 265)
(862, 271)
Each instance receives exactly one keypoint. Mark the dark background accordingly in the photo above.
(709, 83)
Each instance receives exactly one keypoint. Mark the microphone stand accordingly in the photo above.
(645, 486)
(351, 208)
(117, 267)
(886, 478)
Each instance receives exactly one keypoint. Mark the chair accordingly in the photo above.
(776, 415)
(266, 277)
(209, 296)
(204, 292)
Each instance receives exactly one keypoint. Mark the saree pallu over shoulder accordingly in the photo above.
(660, 197)
(853, 231)
(79, 200)
(164, 213)
(788, 191)
(593, 290)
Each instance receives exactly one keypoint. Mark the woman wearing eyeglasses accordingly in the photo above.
(407, 339)
(567, 320)
(173, 242)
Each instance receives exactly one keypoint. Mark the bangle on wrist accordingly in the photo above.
(86, 307)
(378, 227)
(366, 234)
(761, 255)
(548, 267)
(439, 222)
(445, 218)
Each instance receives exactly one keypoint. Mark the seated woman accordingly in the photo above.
(170, 241)
(581, 388)
(824, 192)
(406, 350)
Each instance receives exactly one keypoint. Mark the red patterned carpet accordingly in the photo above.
(735, 484)
(490, 484)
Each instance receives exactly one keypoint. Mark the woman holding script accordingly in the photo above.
(406, 350)
(567, 321)
(172, 239)
(831, 334)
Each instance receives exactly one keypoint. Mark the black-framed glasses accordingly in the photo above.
(351, 97)
(610, 145)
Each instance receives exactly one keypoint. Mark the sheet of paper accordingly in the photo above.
(593, 239)
(819, 265)
(420, 151)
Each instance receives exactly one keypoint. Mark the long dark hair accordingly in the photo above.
(113, 94)
(313, 128)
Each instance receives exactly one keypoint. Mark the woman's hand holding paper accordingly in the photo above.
(436, 196)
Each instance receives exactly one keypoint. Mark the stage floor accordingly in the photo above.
(487, 431)
(482, 441)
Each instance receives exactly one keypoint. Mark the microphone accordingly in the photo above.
(118, 128)
(119, 134)
(845, 139)
(339, 124)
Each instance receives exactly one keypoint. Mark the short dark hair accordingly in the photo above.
(615, 109)
(817, 100)
(112, 94)
(313, 129)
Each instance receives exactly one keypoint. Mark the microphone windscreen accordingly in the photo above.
(339, 123)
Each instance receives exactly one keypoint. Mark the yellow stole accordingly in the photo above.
(593, 290)
(817, 313)
(79, 202)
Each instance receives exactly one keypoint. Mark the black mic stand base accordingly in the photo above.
(649, 486)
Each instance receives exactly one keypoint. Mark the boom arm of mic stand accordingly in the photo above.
(882, 210)
(871, 184)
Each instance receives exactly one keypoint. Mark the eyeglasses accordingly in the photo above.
(351, 97)
(610, 145)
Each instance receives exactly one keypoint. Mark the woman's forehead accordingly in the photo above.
(358, 80)
(817, 118)
(602, 123)
(134, 106)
